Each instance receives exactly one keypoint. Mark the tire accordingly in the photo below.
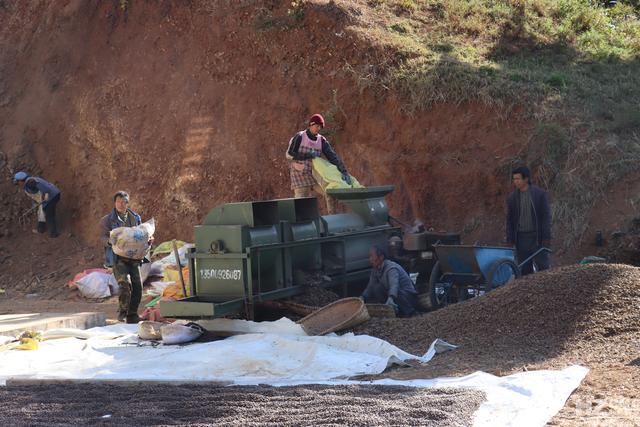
(498, 269)
(462, 293)
(422, 288)
(436, 298)
(422, 283)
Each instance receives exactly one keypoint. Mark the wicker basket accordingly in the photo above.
(380, 310)
(300, 309)
(338, 315)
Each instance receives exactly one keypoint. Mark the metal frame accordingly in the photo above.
(206, 307)
(535, 254)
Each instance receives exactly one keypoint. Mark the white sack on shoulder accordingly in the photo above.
(132, 242)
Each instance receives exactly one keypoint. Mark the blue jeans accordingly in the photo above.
(108, 256)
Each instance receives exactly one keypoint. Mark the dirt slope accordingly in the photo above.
(190, 104)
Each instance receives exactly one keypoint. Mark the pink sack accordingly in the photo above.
(153, 314)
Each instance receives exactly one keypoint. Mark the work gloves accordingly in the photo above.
(346, 178)
(392, 303)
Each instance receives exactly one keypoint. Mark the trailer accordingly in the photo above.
(465, 270)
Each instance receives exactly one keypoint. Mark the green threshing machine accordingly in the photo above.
(250, 252)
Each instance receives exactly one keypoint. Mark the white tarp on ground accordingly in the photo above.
(251, 357)
(280, 357)
(520, 400)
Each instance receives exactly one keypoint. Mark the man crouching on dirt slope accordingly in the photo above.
(303, 147)
(123, 268)
(528, 220)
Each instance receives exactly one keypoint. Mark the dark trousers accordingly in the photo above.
(50, 217)
(127, 273)
(407, 302)
(526, 245)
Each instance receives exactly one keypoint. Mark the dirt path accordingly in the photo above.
(38, 305)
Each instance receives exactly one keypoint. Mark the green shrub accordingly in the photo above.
(626, 120)
(557, 80)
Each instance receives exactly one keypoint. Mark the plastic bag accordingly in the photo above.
(98, 285)
(153, 314)
(172, 275)
(148, 270)
(27, 344)
(167, 247)
(157, 288)
(132, 242)
(28, 340)
(592, 260)
(182, 254)
(329, 177)
(174, 291)
(149, 330)
(179, 334)
(74, 282)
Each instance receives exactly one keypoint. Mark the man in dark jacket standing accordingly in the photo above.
(528, 220)
(125, 270)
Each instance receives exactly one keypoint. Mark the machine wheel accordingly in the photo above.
(424, 295)
(437, 293)
(500, 273)
(462, 293)
(422, 283)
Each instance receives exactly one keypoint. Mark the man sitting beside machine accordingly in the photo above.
(390, 284)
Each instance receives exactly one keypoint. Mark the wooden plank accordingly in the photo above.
(177, 255)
